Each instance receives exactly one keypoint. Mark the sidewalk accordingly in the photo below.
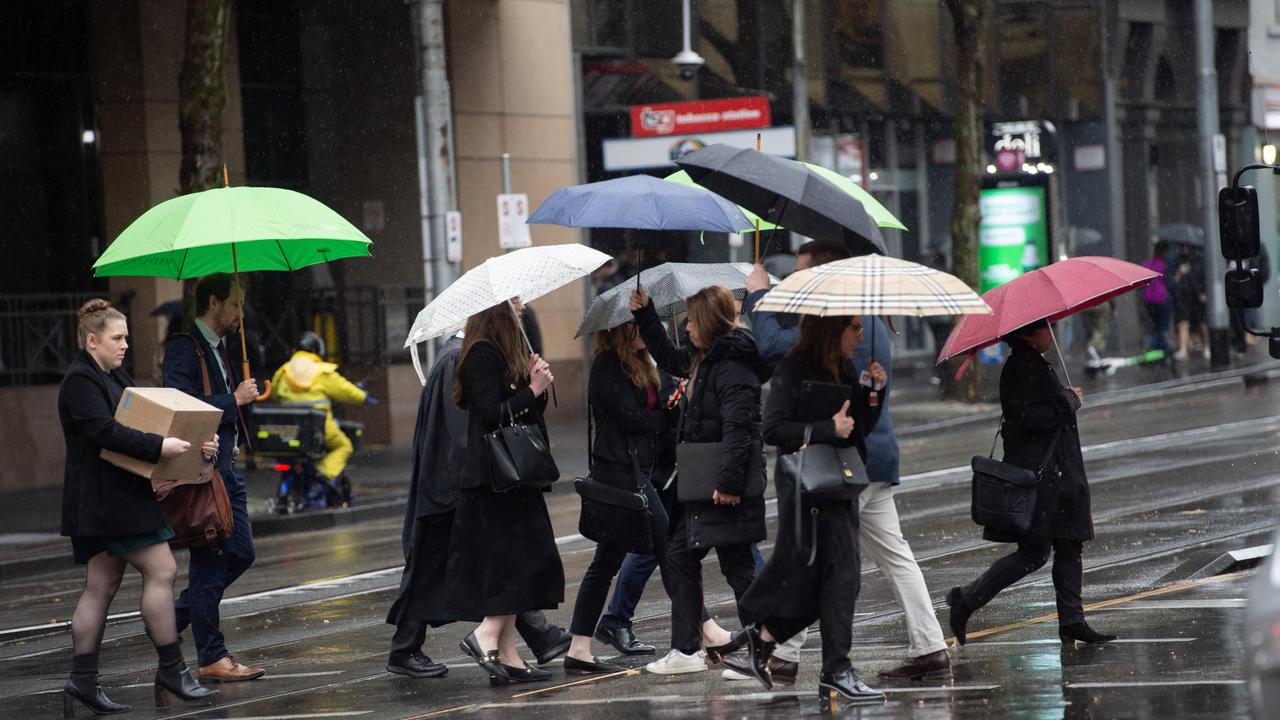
(30, 544)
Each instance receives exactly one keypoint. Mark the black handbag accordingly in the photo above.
(519, 456)
(612, 516)
(1004, 494)
(698, 468)
(821, 472)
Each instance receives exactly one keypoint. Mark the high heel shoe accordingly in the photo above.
(175, 681)
(488, 661)
(92, 697)
(1081, 632)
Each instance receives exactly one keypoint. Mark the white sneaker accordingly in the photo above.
(734, 675)
(677, 663)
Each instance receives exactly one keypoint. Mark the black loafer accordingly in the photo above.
(524, 674)
(416, 665)
(555, 650)
(624, 641)
(782, 672)
(715, 652)
(574, 666)
(488, 661)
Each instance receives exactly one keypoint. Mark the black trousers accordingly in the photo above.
(1068, 576)
(534, 628)
(684, 577)
(594, 590)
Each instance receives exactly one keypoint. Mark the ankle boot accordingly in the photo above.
(83, 686)
(959, 615)
(1081, 632)
(174, 678)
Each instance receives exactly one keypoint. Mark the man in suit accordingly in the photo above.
(218, 305)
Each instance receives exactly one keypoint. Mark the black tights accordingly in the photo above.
(102, 580)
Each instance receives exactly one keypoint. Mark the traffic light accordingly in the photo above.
(1238, 224)
(1244, 288)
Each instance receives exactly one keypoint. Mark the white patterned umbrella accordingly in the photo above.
(668, 284)
(872, 285)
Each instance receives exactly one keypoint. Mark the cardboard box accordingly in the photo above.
(169, 413)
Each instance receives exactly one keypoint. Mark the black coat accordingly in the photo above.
(483, 373)
(1035, 406)
(621, 420)
(98, 498)
(722, 405)
(439, 444)
(182, 357)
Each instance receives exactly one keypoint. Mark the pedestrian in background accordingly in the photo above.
(219, 300)
(1155, 296)
(503, 558)
(1189, 298)
(439, 459)
(1039, 421)
(814, 571)
(722, 405)
(111, 514)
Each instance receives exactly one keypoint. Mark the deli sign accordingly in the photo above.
(700, 116)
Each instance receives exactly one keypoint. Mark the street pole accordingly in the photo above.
(1207, 113)
(800, 80)
(434, 116)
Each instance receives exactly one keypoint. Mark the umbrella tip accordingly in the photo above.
(226, 179)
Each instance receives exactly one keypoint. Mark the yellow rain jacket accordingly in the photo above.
(307, 378)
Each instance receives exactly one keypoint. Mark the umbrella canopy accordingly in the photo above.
(872, 285)
(1049, 293)
(231, 229)
(668, 284)
(785, 192)
(878, 212)
(526, 273)
(1181, 234)
(640, 202)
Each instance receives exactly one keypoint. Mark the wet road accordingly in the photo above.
(1179, 476)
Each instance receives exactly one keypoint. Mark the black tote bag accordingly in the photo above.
(1004, 494)
(819, 473)
(519, 455)
(613, 516)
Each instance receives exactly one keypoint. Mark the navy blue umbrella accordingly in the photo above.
(640, 202)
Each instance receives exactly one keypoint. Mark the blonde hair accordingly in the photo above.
(93, 318)
(715, 311)
(499, 326)
(636, 364)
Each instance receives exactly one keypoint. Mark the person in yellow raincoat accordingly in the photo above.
(308, 378)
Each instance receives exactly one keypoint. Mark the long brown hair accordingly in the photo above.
(715, 311)
(497, 325)
(636, 364)
(820, 341)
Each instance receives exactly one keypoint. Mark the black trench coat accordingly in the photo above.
(723, 405)
(1035, 406)
(788, 587)
(98, 498)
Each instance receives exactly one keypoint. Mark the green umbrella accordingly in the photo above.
(231, 229)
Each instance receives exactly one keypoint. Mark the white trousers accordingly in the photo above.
(880, 537)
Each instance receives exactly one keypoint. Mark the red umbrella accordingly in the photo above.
(1049, 293)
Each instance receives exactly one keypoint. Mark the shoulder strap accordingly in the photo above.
(590, 428)
(799, 503)
(204, 369)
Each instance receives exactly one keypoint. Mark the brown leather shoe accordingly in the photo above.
(783, 672)
(918, 667)
(228, 670)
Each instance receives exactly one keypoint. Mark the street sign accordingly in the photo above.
(700, 116)
(453, 236)
(513, 212)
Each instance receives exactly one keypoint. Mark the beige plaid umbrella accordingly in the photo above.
(872, 285)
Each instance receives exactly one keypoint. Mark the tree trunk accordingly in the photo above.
(202, 94)
(970, 25)
(970, 21)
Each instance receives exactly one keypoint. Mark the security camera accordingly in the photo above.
(689, 63)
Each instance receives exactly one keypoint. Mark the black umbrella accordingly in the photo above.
(1181, 234)
(787, 193)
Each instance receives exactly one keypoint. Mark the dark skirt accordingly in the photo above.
(503, 558)
(84, 548)
(422, 587)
